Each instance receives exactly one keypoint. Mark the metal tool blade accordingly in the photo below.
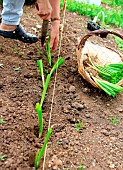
(44, 31)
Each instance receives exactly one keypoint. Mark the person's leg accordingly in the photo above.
(9, 27)
(12, 11)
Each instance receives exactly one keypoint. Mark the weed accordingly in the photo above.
(2, 158)
(20, 53)
(81, 167)
(78, 126)
(18, 69)
(2, 120)
(42, 54)
(114, 120)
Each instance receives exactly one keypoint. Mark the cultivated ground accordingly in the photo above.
(98, 144)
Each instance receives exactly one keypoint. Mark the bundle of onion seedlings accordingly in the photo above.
(110, 75)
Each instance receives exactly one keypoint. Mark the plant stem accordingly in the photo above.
(40, 153)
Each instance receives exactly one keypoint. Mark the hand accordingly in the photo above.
(44, 9)
(54, 34)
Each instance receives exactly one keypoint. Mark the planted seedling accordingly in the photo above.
(114, 120)
(59, 62)
(40, 153)
(40, 118)
(78, 126)
(40, 67)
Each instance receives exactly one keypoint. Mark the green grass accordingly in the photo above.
(113, 2)
(114, 16)
(81, 167)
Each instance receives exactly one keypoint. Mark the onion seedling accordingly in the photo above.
(110, 88)
(40, 153)
(40, 118)
(59, 62)
(40, 66)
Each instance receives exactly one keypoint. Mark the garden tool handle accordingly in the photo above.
(44, 31)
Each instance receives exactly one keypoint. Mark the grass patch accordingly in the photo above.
(114, 16)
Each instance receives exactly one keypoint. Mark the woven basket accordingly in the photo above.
(98, 54)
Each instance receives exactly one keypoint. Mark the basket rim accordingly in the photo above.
(98, 33)
(82, 44)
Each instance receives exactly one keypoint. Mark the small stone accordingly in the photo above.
(73, 69)
(1, 85)
(120, 109)
(114, 133)
(38, 26)
(85, 90)
(87, 115)
(121, 136)
(65, 110)
(77, 105)
(54, 163)
(105, 132)
(112, 166)
(72, 88)
(0, 103)
(102, 116)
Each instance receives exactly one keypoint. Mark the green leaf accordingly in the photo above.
(2, 158)
(17, 69)
(40, 118)
(2, 120)
(40, 152)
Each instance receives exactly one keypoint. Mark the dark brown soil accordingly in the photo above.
(98, 145)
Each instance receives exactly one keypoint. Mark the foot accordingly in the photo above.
(18, 33)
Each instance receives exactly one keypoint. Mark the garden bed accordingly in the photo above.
(84, 133)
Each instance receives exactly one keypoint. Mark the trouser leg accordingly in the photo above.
(12, 11)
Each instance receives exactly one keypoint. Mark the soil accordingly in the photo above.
(98, 144)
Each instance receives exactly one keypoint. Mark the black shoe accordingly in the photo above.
(19, 34)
